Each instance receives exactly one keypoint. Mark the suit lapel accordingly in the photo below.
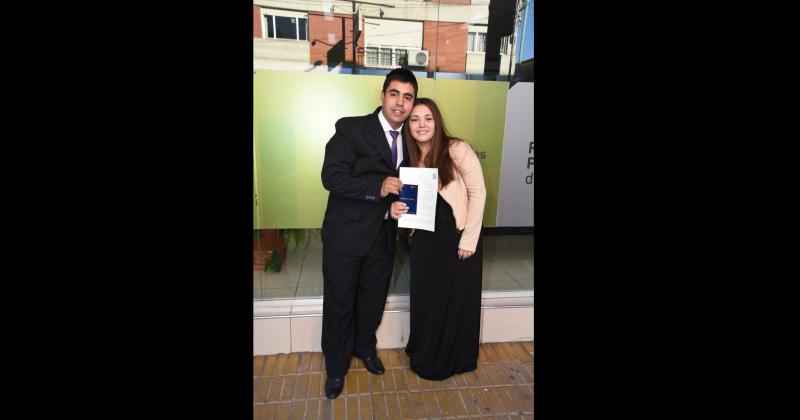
(405, 160)
(378, 138)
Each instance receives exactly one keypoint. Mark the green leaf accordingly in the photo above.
(274, 263)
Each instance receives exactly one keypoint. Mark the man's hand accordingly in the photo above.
(391, 185)
(463, 254)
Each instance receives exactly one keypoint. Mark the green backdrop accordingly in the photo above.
(294, 115)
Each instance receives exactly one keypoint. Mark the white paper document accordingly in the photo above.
(420, 187)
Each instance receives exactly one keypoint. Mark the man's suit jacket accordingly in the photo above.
(357, 160)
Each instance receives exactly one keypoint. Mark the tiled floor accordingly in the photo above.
(507, 265)
(291, 386)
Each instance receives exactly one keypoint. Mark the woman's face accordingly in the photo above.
(421, 124)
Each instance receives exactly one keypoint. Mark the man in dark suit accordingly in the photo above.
(361, 172)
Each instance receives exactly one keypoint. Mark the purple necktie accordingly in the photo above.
(394, 147)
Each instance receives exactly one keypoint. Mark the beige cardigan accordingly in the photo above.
(466, 194)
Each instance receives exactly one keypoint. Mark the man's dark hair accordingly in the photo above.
(401, 74)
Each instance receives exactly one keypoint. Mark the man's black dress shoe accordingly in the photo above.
(374, 365)
(333, 387)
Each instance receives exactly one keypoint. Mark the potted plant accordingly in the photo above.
(269, 250)
(266, 241)
(301, 238)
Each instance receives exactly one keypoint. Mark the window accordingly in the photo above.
(476, 41)
(270, 26)
(480, 42)
(387, 57)
(371, 55)
(286, 27)
(504, 45)
(402, 57)
(303, 28)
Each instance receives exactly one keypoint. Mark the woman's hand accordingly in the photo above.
(463, 254)
(398, 209)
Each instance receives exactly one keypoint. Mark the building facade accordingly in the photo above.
(447, 36)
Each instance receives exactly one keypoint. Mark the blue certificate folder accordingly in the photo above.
(408, 195)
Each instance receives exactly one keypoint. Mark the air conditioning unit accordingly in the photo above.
(418, 58)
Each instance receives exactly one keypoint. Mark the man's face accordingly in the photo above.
(397, 102)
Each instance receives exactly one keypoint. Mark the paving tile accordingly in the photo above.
(289, 386)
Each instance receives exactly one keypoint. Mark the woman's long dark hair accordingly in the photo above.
(439, 153)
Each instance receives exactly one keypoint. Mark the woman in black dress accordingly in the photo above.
(446, 264)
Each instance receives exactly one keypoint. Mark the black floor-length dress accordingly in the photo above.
(445, 301)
